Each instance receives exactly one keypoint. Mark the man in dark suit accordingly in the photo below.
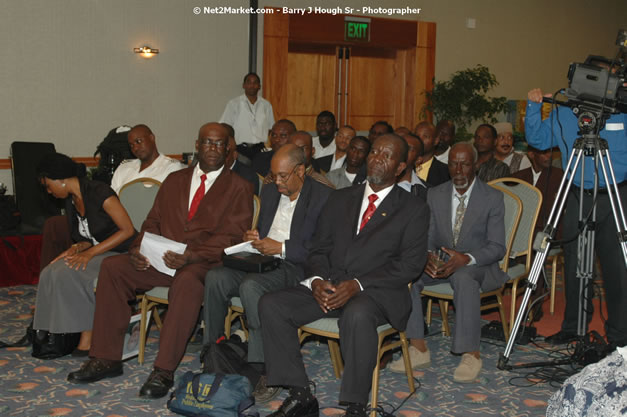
(289, 212)
(358, 269)
(279, 134)
(236, 166)
(467, 223)
(338, 158)
(430, 169)
(208, 208)
(408, 180)
(354, 171)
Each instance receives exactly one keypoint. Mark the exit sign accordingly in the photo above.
(356, 29)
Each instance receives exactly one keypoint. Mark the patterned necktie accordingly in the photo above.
(200, 193)
(459, 219)
(369, 210)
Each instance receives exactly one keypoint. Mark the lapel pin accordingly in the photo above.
(383, 214)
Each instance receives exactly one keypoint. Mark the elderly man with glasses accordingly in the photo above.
(290, 207)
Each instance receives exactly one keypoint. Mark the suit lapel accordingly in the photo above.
(298, 218)
(183, 204)
(217, 190)
(446, 207)
(355, 206)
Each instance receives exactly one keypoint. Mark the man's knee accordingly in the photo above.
(218, 281)
(464, 280)
(188, 286)
(357, 315)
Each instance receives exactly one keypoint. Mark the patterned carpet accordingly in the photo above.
(32, 387)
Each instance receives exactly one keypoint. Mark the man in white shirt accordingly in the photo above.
(251, 116)
(149, 163)
(338, 158)
(326, 126)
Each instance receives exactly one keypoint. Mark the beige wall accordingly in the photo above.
(68, 74)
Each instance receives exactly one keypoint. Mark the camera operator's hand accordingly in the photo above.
(536, 95)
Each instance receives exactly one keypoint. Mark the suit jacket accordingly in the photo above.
(438, 173)
(248, 174)
(224, 214)
(483, 230)
(311, 199)
(325, 162)
(261, 162)
(388, 253)
(548, 184)
(338, 177)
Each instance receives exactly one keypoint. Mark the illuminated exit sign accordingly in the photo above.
(356, 29)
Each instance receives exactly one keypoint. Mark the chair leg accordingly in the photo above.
(512, 312)
(336, 357)
(499, 298)
(408, 370)
(143, 329)
(155, 314)
(444, 313)
(429, 305)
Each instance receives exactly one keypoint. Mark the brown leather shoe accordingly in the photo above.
(94, 370)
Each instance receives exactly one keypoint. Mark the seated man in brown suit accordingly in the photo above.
(208, 208)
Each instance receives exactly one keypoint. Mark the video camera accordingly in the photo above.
(598, 83)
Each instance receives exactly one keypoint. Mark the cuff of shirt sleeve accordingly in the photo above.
(283, 250)
(473, 261)
(307, 282)
(360, 286)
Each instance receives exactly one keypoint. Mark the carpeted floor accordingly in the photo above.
(33, 387)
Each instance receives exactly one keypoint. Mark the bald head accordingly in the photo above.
(303, 140)
(142, 143)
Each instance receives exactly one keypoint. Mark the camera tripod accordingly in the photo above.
(589, 145)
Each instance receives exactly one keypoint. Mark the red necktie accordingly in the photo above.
(369, 210)
(200, 193)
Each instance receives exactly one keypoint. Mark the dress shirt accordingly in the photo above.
(423, 169)
(128, 171)
(337, 163)
(538, 135)
(195, 183)
(536, 175)
(320, 151)
(351, 177)
(364, 205)
(251, 122)
(406, 185)
(280, 229)
(455, 204)
(444, 156)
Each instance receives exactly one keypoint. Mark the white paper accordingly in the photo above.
(241, 247)
(154, 247)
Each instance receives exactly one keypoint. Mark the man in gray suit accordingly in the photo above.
(354, 171)
(467, 224)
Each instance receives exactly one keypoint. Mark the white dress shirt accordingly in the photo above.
(406, 185)
(320, 151)
(280, 229)
(337, 163)
(351, 177)
(536, 175)
(128, 171)
(444, 156)
(195, 183)
(251, 122)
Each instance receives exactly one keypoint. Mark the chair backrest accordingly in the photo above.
(531, 199)
(513, 211)
(256, 209)
(137, 198)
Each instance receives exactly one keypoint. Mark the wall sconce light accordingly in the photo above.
(146, 51)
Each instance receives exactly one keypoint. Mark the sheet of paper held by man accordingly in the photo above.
(154, 247)
(241, 247)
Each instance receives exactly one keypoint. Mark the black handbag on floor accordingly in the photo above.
(48, 345)
(228, 357)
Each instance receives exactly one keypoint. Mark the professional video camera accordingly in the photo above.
(598, 83)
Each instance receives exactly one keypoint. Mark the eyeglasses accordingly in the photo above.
(283, 178)
(210, 143)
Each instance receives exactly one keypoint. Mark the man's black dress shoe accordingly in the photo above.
(291, 407)
(356, 410)
(94, 370)
(80, 353)
(560, 338)
(158, 384)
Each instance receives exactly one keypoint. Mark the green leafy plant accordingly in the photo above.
(463, 100)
